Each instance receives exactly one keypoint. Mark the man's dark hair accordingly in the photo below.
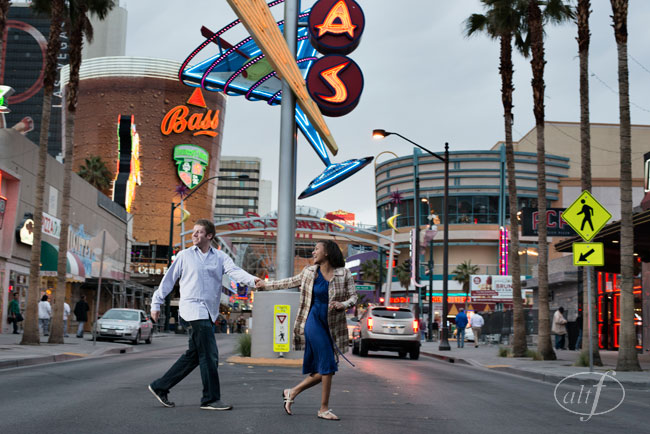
(207, 225)
(561, 309)
(44, 297)
(82, 297)
(15, 294)
(333, 253)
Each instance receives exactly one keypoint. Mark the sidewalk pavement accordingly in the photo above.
(13, 355)
(487, 356)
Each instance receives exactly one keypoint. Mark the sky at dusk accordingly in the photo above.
(423, 79)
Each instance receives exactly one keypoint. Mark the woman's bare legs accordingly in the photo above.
(306, 383)
(325, 395)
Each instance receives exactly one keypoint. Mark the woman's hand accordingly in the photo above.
(337, 305)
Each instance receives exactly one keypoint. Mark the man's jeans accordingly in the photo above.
(559, 342)
(461, 337)
(80, 329)
(202, 352)
(65, 328)
(45, 325)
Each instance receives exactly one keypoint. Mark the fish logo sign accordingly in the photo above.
(191, 161)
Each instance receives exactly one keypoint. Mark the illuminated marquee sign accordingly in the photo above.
(178, 120)
(335, 82)
(191, 161)
(128, 173)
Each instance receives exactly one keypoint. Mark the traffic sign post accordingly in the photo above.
(588, 254)
(281, 337)
(587, 217)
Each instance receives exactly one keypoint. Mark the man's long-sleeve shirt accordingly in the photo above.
(200, 282)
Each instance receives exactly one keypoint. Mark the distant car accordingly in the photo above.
(353, 328)
(129, 324)
(388, 328)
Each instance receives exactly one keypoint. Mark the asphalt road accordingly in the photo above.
(382, 394)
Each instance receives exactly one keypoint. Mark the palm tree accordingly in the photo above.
(503, 22)
(583, 11)
(55, 8)
(78, 26)
(627, 355)
(370, 272)
(403, 273)
(95, 172)
(555, 11)
(462, 274)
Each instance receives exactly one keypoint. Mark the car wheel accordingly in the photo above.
(363, 348)
(402, 354)
(415, 353)
(355, 347)
(148, 340)
(136, 341)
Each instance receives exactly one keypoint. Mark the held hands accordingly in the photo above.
(155, 314)
(337, 305)
(260, 284)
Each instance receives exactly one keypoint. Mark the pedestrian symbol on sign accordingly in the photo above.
(281, 314)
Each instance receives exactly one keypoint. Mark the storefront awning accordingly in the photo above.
(75, 271)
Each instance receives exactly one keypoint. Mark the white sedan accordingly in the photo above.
(129, 324)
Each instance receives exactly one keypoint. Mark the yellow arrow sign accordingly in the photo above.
(586, 216)
(588, 254)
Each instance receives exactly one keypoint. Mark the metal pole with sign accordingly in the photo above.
(99, 288)
(587, 217)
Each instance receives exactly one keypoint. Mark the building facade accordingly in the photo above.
(238, 197)
(92, 215)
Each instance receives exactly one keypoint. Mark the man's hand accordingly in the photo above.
(260, 284)
(155, 314)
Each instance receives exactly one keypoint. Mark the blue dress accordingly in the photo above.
(319, 351)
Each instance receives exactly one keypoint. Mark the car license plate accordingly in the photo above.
(392, 330)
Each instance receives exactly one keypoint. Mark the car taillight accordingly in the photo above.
(415, 326)
(369, 323)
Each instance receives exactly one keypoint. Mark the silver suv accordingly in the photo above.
(388, 328)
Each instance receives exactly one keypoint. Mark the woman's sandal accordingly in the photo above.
(328, 415)
(287, 400)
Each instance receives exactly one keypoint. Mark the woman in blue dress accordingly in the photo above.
(327, 290)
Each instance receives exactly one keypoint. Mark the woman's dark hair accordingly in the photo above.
(44, 297)
(333, 253)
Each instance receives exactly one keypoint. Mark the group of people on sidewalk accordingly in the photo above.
(558, 328)
(45, 315)
(327, 290)
(475, 322)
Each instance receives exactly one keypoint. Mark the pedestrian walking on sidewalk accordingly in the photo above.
(435, 328)
(327, 290)
(200, 270)
(579, 319)
(44, 315)
(66, 314)
(14, 312)
(559, 328)
(476, 322)
(461, 324)
(81, 313)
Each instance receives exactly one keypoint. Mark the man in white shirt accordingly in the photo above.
(200, 270)
(44, 315)
(476, 322)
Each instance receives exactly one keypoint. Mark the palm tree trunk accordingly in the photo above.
(507, 88)
(537, 64)
(76, 43)
(31, 333)
(583, 12)
(627, 354)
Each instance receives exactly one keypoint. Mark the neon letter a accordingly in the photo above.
(340, 11)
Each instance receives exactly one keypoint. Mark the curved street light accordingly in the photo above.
(444, 340)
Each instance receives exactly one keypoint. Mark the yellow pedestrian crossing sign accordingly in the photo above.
(586, 216)
(588, 254)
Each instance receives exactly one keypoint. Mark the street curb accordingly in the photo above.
(264, 361)
(449, 359)
(17, 363)
(546, 378)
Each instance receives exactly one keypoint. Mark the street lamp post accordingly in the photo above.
(171, 232)
(444, 340)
